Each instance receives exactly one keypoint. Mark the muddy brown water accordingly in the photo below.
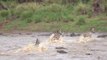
(93, 50)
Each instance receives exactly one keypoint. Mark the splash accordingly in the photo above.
(30, 48)
(27, 49)
(33, 48)
(86, 37)
(41, 47)
(55, 40)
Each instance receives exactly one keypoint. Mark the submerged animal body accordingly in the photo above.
(102, 36)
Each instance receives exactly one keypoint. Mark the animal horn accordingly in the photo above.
(37, 42)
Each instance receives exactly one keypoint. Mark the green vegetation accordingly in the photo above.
(50, 15)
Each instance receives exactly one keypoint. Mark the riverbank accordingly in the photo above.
(49, 17)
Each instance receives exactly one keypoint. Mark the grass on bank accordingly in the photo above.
(50, 17)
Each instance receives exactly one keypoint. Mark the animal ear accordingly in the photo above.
(92, 29)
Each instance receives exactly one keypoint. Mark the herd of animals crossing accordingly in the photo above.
(56, 38)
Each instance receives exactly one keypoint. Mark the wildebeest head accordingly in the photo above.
(57, 32)
(92, 29)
